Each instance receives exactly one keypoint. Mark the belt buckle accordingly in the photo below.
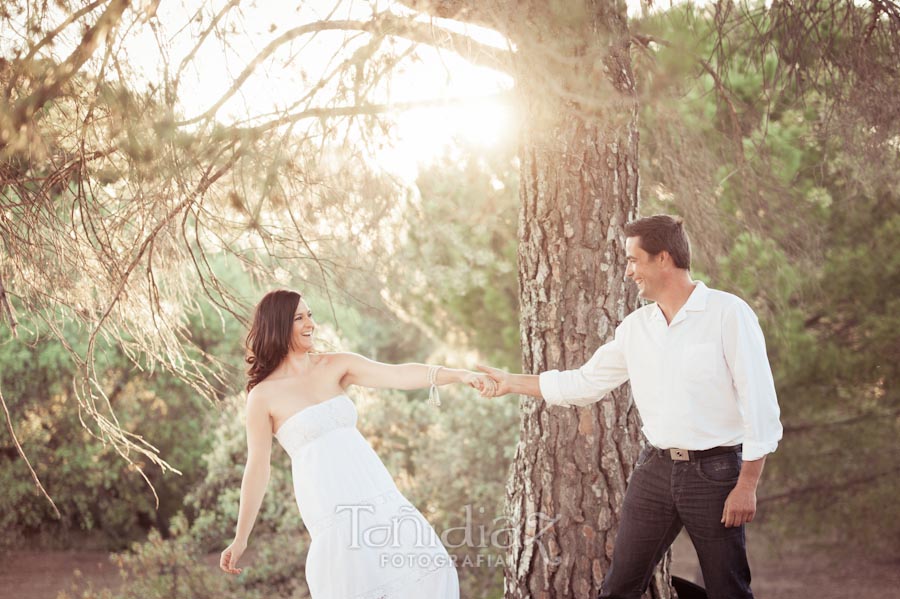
(679, 455)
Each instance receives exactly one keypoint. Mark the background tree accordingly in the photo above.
(578, 186)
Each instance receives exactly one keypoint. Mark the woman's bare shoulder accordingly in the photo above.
(258, 396)
(333, 358)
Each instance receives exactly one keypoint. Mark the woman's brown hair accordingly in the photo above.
(269, 339)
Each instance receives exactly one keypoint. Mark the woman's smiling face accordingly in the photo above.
(304, 328)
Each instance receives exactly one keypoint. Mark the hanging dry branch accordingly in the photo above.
(34, 476)
(6, 310)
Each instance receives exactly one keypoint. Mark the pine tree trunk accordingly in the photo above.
(579, 186)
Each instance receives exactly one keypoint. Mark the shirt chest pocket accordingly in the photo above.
(699, 361)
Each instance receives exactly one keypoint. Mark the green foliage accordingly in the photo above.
(456, 271)
(177, 567)
(761, 270)
(103, 499)
(96, 491)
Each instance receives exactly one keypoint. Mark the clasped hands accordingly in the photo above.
(493, 383)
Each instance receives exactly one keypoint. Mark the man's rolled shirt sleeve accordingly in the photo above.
(745, 353)
(606, 370)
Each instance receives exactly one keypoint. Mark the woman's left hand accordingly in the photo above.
(229, 558)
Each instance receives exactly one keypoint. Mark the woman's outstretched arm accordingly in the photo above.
(255, 481)
(362, 371)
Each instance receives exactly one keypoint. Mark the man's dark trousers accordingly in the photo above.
(664, 495)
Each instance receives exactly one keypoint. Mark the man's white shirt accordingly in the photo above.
(699, 382)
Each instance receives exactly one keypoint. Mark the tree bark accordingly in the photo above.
(579, 186)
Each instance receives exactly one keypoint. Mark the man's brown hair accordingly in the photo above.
(662, 232)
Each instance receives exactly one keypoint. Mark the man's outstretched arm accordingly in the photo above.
(524, 384)
(605, 371)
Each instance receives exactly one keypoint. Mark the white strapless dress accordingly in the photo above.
(368, 541)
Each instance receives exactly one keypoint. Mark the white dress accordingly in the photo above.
(368, 541)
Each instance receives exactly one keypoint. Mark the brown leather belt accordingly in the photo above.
(689, 455)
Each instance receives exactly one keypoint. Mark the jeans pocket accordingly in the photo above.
(646, 454)
(723, 469)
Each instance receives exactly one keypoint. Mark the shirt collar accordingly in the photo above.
(696, 302)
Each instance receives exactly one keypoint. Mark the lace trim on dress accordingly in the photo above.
(337, 414)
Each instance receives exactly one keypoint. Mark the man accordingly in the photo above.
(696, 360)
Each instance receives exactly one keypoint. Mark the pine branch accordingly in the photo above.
(55, 80)
(384, 24)
(49, 38)
(370, 109)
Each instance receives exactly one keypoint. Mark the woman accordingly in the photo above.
(368, 541)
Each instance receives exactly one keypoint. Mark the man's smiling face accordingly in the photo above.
(645, 270)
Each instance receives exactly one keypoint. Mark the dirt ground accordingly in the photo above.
(803, 571)
(778, 573)
(43, 574)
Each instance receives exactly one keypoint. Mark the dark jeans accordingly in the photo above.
(663, 496)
